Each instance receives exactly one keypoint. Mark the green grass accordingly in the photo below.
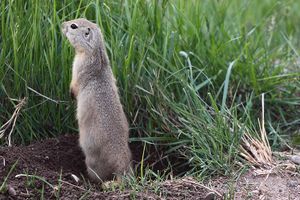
(3, 187)
(190, 73)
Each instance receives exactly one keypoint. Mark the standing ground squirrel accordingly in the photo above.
(103, 127)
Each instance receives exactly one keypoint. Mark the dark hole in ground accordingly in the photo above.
(62, 156)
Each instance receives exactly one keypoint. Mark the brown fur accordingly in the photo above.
(103, 127)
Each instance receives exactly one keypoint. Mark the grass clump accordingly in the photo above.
(190, 73)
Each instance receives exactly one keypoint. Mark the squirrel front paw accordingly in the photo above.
(73, 90)
(73, 93)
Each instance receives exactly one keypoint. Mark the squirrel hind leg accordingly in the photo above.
(94, 175)
(98, 172)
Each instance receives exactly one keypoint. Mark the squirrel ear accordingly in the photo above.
(87, 33)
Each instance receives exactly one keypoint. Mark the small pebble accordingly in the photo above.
(210, 196)
(11, 191)
(75, 178)
(255, 192)
(295, 159)
(292, 184)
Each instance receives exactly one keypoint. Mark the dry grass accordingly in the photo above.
(257, 151)
(11, 123)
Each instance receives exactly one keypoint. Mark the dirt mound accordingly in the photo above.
(46, 169)
(47, 155)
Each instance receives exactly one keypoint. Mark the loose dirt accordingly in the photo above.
(47, 168)
(276, 184)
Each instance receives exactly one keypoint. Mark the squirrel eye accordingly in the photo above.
(74, 26)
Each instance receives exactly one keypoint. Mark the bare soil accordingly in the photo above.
(274, 184)
(277, 185)
(57, 160)
(46, 168)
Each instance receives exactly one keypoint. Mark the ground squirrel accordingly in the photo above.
(103, 127)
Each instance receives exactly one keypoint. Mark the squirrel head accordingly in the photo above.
(83, 35)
